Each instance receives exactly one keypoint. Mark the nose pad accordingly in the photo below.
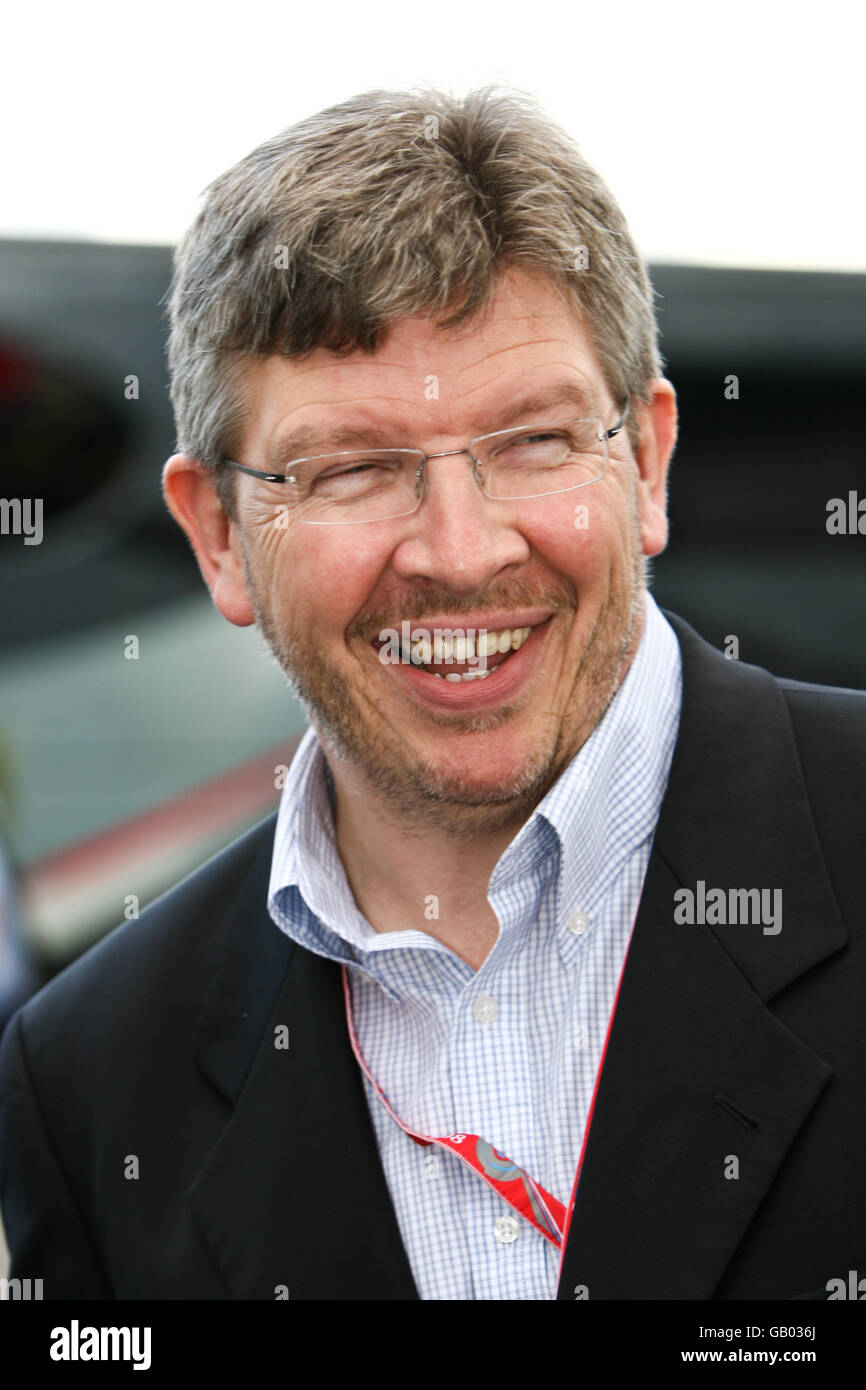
(421, 481)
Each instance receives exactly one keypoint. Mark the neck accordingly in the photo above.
(414, 879)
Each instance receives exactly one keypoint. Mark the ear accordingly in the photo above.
(191, 497)
(658, 435)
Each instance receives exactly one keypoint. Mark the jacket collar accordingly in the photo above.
(294, 1196)
(736, 814)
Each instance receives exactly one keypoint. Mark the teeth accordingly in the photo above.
(442, 651)
(467, 675)
(470, 648)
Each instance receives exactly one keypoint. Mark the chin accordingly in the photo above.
(481, 782)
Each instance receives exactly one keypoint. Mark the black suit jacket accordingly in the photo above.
(258, 1168)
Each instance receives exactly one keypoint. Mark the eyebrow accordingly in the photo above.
(529, 409)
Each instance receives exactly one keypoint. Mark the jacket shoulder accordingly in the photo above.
(834, 713)
(172, 946)
(829, 707)
(829, 728)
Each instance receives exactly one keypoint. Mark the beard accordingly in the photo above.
(418, 792)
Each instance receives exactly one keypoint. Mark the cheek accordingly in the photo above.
(580, 536)
(319, 574)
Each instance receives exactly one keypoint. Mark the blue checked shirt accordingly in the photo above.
(511, 1051)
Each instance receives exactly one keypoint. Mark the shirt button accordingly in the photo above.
(506, 1229)
(578, 923)
(432, 1165)
(580, 1037)
(485, 1009)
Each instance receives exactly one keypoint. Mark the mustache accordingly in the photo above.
(417, 605)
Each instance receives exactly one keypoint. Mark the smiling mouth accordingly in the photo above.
(466, 658)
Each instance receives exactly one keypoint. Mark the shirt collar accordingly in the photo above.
(607, 801)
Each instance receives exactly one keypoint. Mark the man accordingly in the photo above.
(544, 981)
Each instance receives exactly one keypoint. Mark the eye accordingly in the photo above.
(347, 472)
(539, 437)
(536, 449)
(355, 475)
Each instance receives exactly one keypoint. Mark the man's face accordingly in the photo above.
(475, 755)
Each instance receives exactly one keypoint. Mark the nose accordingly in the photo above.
(458, 538)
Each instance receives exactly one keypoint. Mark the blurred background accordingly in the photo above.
(139, 731)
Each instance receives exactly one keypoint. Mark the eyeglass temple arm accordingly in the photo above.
(256, 472)
(615, 429)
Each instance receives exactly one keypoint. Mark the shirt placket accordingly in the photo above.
(492, 1088)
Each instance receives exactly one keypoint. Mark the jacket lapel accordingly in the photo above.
(293, 1199)
(698, 1071)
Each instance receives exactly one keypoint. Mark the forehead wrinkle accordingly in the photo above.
(303, 369)
(580, 383)
(554, 338)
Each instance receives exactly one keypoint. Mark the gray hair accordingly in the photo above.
(385, 206)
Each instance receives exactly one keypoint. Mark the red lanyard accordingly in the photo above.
(514, 1185)
(527, 1197)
